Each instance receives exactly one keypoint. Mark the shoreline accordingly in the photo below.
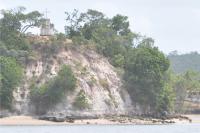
(28, 120)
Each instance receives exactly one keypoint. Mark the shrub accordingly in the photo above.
(104, 83)
(49, 94)
(51, 49)
(79, 40)
(60, 37)
(81, 101)
(92, 81)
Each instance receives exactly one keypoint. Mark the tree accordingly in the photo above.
(74, 21)
(10, 77)
(121, 24)
(144, 70)
(14, 24)
(167, 98)
(146, 42)
(16, 20)
(32, 19)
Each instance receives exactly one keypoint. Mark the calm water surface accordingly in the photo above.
(186, 128)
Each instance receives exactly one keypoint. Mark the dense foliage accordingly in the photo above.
(144, 71)
(10, 77)
(50, 93)
(14, 24)
(112, 37)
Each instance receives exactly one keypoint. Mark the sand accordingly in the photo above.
(194, 118)
(23, 120)
(28, 120)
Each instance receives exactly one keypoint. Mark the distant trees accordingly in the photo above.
(180, 63)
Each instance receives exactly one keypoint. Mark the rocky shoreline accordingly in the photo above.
(45, 120)
(119, 119)
(6, 119)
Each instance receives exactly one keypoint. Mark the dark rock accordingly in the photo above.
(47, 118)
(76, 117)
(52, 118)
(154, 121)
(4, 114)
(59, 119)
(70, 120)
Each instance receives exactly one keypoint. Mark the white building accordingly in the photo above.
(47, 28)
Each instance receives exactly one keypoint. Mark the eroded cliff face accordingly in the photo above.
(95, 75)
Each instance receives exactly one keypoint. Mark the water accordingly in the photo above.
(186, 128)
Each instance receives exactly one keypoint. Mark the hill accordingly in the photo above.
(182, 63)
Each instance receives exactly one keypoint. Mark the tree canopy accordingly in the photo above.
(14, 24)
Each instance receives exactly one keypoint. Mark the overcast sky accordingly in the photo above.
(174, 24)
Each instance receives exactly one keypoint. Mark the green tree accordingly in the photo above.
(14, 24)
(73, 25)
(93, 21)
(121, 24)
(10, 77)
(144, 70)
(118, 60)
(167, 98)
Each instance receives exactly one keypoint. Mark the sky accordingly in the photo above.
(173, 24)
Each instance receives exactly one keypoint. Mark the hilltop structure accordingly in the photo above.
(47, 28)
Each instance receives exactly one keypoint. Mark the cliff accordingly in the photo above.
(95, 76)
